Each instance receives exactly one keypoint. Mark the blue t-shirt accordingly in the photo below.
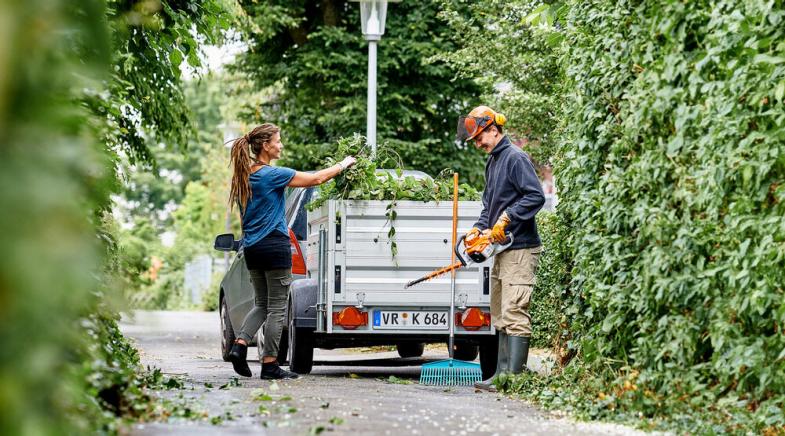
(264, 212)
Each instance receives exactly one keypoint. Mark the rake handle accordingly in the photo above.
(452, 275)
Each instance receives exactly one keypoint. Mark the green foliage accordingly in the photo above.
(363, 181)
(669, 156)
(196, 221)
(53, 179)
(511, 50)
(115, 383)
(547, 307)
(186, 196)
(675, 190)
(313, 55)
(623, 396)
(144, 103)
(68, 369)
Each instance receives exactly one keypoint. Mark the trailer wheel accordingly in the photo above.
(410, 349)
(465, 352)
(227, 332)
(300, 347)
(489, 355)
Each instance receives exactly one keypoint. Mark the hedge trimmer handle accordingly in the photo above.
(458, 254)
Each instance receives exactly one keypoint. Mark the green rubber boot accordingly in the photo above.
(501, 364)
(518, 347)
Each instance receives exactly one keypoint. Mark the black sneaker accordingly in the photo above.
(238, 357)
(272, 371)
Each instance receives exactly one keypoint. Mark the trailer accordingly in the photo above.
(353, 292)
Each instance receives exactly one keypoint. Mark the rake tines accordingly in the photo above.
(450, 373)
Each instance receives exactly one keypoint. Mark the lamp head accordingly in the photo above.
(372, 17)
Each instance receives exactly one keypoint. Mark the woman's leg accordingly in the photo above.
(239, 354)
(256, 317)
(278, 281)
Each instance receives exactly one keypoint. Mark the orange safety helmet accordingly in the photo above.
(478, 120)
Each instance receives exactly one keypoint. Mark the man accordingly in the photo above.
(512, 197)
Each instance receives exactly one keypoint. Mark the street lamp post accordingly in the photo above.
(372, 16)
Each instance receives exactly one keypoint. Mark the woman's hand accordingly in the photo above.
(302, 180)
(347, 162)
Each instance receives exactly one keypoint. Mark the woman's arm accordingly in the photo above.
(306, 180)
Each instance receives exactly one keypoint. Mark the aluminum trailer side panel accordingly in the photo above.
(355, 265)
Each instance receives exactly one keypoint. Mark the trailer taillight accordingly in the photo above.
(473, 319)
(350, 318)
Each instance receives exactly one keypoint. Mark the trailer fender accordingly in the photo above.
(303, 300)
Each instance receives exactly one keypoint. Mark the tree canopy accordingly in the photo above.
(313, 55)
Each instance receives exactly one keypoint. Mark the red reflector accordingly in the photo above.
(350, 318)
(473, 319)
(298, 263)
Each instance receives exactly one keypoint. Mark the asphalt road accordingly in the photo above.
(347, 393)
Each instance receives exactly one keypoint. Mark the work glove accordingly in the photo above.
(473, 233)
(497, 233)
(347, 162)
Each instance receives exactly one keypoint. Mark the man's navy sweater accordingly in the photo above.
(511, 185)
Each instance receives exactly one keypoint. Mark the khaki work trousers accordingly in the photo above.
(512, 283)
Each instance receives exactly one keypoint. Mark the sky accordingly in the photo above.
(215, 57)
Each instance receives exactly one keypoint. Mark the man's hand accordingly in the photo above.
(473, 233)
(497, 233)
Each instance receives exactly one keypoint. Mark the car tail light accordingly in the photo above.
(350, 318)
(473, 319)
(298, 262)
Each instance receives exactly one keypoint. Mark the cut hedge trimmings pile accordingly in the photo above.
(361, 182)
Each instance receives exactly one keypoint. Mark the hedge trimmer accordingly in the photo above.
(477, 248)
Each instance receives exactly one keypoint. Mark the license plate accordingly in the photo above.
(410, 319)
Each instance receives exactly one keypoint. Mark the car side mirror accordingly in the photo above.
(226, 242)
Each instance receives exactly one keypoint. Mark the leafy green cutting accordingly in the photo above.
(363, 181)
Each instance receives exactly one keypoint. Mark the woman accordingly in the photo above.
(258, 189)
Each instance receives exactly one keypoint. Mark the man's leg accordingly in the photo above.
(496, 296)
(496, 319)
(517, 274)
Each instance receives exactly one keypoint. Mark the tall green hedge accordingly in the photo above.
(672, 188)
(547, 301)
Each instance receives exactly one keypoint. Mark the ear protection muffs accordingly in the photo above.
(499, 119)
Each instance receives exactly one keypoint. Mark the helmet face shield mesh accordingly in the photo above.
(469, 127)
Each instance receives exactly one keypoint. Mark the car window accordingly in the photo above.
(292, 196)
(299, 226)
